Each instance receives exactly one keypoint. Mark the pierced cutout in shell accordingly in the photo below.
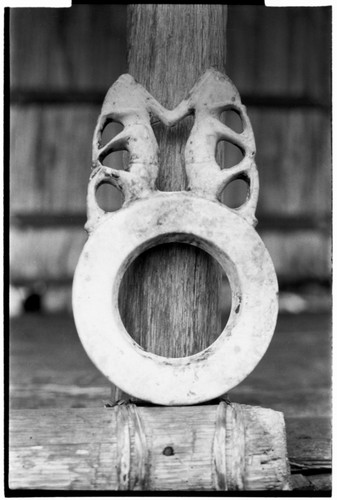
(130, 104)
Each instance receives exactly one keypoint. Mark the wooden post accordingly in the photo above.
(169, 297)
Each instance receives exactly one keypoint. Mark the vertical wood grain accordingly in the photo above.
(169, 296)
(82, 47)
(273, 51)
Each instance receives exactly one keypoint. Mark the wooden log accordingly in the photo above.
(181, 283)
(308, 442)
(70, 49)
(261, 37)
(210, 447)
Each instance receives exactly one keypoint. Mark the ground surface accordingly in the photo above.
(49, 369)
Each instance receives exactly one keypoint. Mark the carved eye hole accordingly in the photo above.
(236, 192)
(228, 154)
(116, 159)
(232, 119)
(110, 130)
(109, 198)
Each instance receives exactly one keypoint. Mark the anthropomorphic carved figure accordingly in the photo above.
(130, 104)
(211, 95)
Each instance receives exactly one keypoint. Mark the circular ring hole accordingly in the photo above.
(232, 119)
(169, 300)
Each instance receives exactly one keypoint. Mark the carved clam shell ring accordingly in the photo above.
(148, 218)
(175, 217)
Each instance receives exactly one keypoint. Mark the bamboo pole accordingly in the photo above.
(169, 298)
(209, 447)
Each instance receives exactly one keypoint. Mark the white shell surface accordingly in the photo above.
(170, 217)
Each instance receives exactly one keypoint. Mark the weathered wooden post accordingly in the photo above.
(173, 288)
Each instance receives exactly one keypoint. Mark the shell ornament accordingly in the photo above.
(196, 216)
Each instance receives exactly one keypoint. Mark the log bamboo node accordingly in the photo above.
(131, 472)
(149, 217)
(229, 447)
(150, 448)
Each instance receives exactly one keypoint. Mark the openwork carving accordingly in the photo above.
(195, 216)
(131, 105)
